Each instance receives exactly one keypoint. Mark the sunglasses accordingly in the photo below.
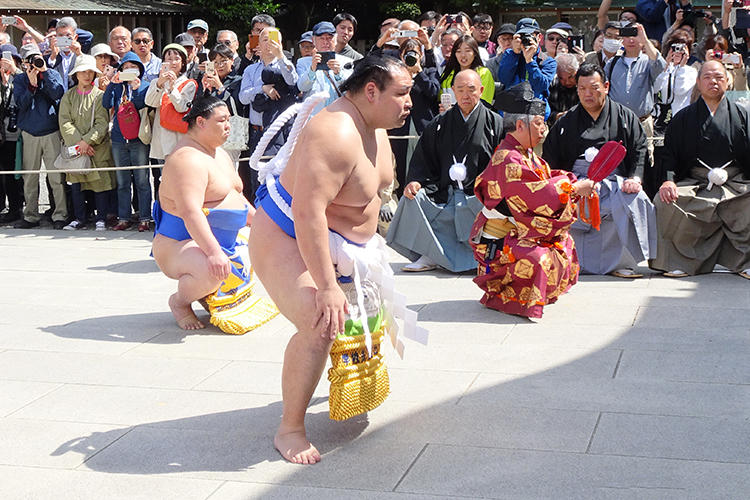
(141, 41)
(554, 38)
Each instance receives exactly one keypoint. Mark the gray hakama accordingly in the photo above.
(439, 231)
(627, 233)
(712, 227)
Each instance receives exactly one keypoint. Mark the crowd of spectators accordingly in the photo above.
(119, 103)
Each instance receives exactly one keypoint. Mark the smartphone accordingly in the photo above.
(210, 68)
(732, 58)
(406, 34)
(628, 32)
(202, 57)
(128, 75)
(7, 55)
(253, 41)
(575, 41)
(63, 42)
(445, 100)
(74, 151)
(325, 57)
(274, 34)
(9, 20)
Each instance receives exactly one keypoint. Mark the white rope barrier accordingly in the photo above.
(138, 167)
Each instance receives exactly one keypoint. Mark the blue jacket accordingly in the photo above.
(113, 95)
(653, 15)
(37, 108)
(513, 69)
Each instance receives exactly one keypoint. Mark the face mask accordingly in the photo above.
(612, 45)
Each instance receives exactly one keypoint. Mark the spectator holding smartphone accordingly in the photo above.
(10, 187)
(84, 124)
(325, 70)
(171, 95)
(674, 87)
(127, 148)
(106, 63)
(64, 48)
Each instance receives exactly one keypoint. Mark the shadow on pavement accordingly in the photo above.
(144, 266)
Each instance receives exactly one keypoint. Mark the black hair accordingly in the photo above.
(345, 16)
(202, 106)
(220, 50)
(410, 44)
(632, 11)
(589, 69)
(482, 18)
(430, 15)
(452, 66)
(372, 68)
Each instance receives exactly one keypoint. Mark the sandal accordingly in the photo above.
(745, 274)
(143, 226)
(677, 273)
(626, 273)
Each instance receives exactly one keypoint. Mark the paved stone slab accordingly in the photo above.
(41, 443)
(689, 317)
(17, 394)
(34, 483)
(233, 490)
(656, 397)
(80, 368)
(726, 367)
(697, 438)
(497, 473)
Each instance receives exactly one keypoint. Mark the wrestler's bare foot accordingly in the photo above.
(295, 447)
(184, 315)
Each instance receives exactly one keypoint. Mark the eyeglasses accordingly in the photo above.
(141, 41)
(484, 27)
(222, 62)
(554, 38)
(226, 42)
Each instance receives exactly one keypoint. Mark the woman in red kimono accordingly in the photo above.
(520, 239)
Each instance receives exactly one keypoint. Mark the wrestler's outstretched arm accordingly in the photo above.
(190, 177)
(328, 163)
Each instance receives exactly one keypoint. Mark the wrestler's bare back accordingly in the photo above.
(354, 211)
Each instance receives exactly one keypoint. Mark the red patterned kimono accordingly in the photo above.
(537, 262)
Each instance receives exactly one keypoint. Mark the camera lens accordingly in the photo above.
(410, 58)
(38, 62)
(12, 119)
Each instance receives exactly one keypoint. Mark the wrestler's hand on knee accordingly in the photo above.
(219, 266)
(668, 192)
(330, 310)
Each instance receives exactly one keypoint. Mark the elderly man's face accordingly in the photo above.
(713, 81)
(504, 42)
(258, 27)
(551, 41)
(592, 92)
(306, 49)
(468, 89)
(325, 42)
(199, 36)
(119, 41)
(446, 45)
(567, 78)
(227, 40)
(142, 43)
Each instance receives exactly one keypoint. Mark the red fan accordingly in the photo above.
(606, 161)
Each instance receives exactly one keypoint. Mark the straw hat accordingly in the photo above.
(102, 48)
(85, 62)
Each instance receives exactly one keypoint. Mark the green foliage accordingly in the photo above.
(401, 10)
(232, 14)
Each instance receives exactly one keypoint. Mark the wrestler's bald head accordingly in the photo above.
(467, 87)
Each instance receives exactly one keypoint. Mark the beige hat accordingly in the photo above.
(103, 48)
(85, 62)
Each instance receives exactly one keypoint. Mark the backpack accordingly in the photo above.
(169, 117)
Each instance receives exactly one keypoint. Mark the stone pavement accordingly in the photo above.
(625, 389)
